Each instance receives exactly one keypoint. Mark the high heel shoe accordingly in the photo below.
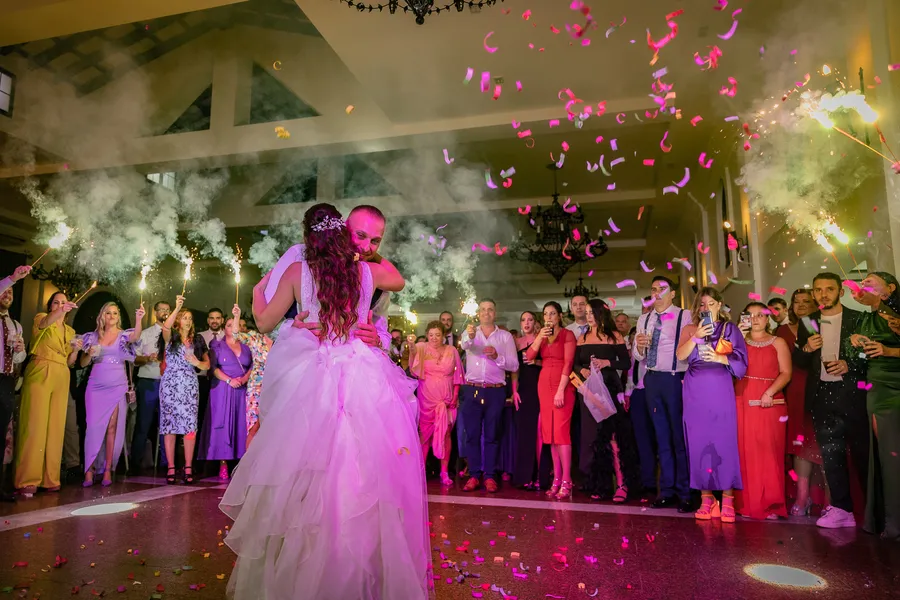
(107, 479)
(445, 479)
(188, 477)
(553, 488)
(565, 490)
(728, 509)
(170, 475)
(88, 479)
(708, 509)
(801, 511)
(621, 494)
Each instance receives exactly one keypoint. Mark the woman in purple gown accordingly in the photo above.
(716, 354)
(224, 433)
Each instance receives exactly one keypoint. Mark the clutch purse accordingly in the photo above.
(724, 346)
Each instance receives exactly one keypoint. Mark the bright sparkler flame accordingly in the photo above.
(412, 317)
(144, 270)
(832, 228)
(820, 107)
(187, 268)
(63, 232)
(236, 267)
(820, 239)
(826, 70)
(470, 307)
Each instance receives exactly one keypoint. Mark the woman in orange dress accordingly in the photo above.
(556, 347)
(801, 435)
(762, 416)
(440, 373)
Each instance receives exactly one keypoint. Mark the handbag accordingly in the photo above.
(724, 346)
(131, 394)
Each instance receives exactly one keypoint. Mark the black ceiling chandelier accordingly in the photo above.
(561, 240)
(420, 8)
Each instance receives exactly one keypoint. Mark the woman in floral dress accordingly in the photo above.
(259, 345)
(179, 390)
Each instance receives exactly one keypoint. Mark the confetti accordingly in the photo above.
(732, 118)
(613, 27)
(610, 187)
(620, 118)
(349, 109)
(894, 67)
(703, 162)
(778, 290)
(640, 213)
(741, 281)
(485, 81)
(754, 296)
(670, 189)
(276, 65)
(696, 120)
(729, 90)
(685, 179)
(625, 283)
(649, 162)
(793, 474)
(783, 419)
(490, 182)
(470, 72)
(662, 143)
(727, 35)
(862, 385)
(523, 134)
(700, 248)
(732, 243)
(449, 160)
(487, 48)
(712, 278)
(282, 133)
(526, 210)
(566, 207)
(612, 226)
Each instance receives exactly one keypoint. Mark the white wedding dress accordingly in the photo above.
(329, 501)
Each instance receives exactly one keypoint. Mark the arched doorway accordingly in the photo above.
(86, 318)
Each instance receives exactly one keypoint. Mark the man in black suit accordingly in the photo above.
(833, 397)
(450, 337)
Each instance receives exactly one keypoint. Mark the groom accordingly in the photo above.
(366, 225)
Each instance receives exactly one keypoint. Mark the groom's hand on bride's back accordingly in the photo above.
(300, 322)
(367, 333)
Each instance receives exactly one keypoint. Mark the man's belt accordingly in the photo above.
(485, 385)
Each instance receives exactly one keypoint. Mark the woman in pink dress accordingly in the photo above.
(801, 436)
(440, 373)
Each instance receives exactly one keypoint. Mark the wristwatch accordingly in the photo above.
(229, 381)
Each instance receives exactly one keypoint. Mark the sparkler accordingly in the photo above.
(236, 267)
(143, 285)
(470, 309)
(63, 232)
(412, 317)
(187, 274)
(820, 109)
(82, 296)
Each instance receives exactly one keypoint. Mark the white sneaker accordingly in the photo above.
(836, 518)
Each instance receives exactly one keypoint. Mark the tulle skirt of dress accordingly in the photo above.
(329, 502)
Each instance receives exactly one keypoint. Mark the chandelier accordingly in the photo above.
(580, 289)
(420, 8)
(561, 241)
(69, 282)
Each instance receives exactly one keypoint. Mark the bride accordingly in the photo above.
(329, 501)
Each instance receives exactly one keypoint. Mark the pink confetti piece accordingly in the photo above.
(516, 124)
(507, 183)
(562, 159)
(783, 419)
(710, 61)
(612, 225)
(732, 243)
(662, 143)
(554, 122)
(526, 210)
(487, 48)
(523, 134)
(649, 162)
(754, 296)
(490, 182)
(645, 268)
(482, 247)
(712, 278)
(603, 166)
(696, 120)
(854, 287)
(610, 187)
(498, 250)
(863, 385)
(565, 146)
(894, 67)
(508, 172)
(592, 168)
(614, 144)
(497, 90)
(793, 474)
(576, 235)
(620, 118)
(567, 208)
(727, 35)
(599, 139)
(732, 118)
(700, 248)
(587, 251)
(729, 90)
(685, 179)
(778, 290)
(640, 213)
(485, 81)
(447, 158)
(670, 189)
(651, 538)
(619, 561)
(626, 283)
(518, 86)
(554, 29)
(527, 14)
(720, 5)
(703, 162)
(617, 161)
(469, 73)
(591, 273)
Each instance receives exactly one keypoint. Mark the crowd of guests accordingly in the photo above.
(187, 383)
(757, 414)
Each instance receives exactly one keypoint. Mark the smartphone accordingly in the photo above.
(745, 320)
(705, 318)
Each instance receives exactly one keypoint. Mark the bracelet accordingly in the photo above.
(698, 341)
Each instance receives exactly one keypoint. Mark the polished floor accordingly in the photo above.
(166, 542)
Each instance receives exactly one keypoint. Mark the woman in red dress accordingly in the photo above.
(556, 347)
(801, 435)
(761, 415)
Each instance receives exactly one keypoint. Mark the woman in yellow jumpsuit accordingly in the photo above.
(45, 397)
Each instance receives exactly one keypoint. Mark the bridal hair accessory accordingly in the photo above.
(328, 223)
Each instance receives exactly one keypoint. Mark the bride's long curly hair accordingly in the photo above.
(331, 257)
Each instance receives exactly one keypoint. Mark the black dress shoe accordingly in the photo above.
(665, 502)
(686, 506)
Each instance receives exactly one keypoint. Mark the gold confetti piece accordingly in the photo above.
(83, 546)
(580, 586)
(100, 543)
(130, 551)
(402, 450)
(349, 109)
(443, 536)
(498, 559)
(206, 555)
(219, 532)
(221, 544)
(220, 576)
(276, 65)
(156, 573)
(93, 565)
(514, 555)
(282, 133)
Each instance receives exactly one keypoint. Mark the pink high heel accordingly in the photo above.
(553, 488)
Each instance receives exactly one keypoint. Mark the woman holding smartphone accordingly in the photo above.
(556, 347)
(716, 355)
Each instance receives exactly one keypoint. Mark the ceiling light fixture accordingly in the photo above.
(420, 8)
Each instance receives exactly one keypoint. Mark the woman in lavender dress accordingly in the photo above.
(108, 349)
(717, 355)
(179, 389)
(224, 433)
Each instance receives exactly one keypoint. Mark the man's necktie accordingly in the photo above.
(584, 328)
(654, 343)
(7, 365)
